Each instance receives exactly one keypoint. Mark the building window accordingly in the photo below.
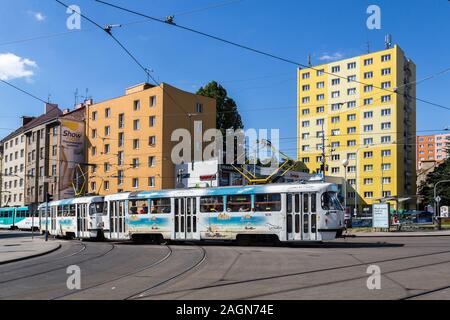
(351, 117)
(368, 167)
(335, 82)
(305, 136)
(335, 69)
(368, 88)
(385, 57)
(199, 108)
(53, 170)
(305, 87)
(136, 124)
(135, 183)
(386, 139)
(305, 124)
(94, 151)
(368, 194)
(386, 71)
(386, 98)
(135, 144)
(385, 125)
(368, 141)
(368, 75)
(93, 186)
(107, 149)
(151, 181)
(120, 177)
(335, 119)
(351, 156)
(368, 101)
(320, 109)
(351, 143)
(320, 97)
(368, 154)
(385, 112)
(305, 160)
(386, 180)
(121, 121)
(368, 181)
(368, 128)
(386, 166)
(351, 130)
(305, 75)
(351, 78)
(107, 131)
(94, 133)
(305, 147)
(368, 62)
(106, 185)
(94, 116)
(335, 106)
(351, 91)
(320, 85)
(136, 105)
(305, 100)
(335, 132)
(120, 158)
(386, 153)
(152, 141)
(386, 84)
(106, 166)
(335, 94)
(335, 170)
(351, 65)
(368, 114)
(135, 163)
(107, 112)
(305, 112)
(151, 161)
(121, 139)
(351, 169)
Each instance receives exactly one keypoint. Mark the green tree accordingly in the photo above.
(426, 190)
(228, 116)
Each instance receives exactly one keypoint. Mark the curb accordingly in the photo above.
(398, 236)
(32, 256)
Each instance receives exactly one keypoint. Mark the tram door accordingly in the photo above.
(82, 220)
(185, 219)
(117, 226)
(53, 214)
(309, 216)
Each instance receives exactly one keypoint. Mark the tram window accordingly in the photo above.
(289, 223)
(211, 204)
(105, 208)
(188, 209)
(160, 205)
(138, 207)
(297, 223)
(305, 223)
(330, 201)
(60, 210)
(313, 202)
(289, 203)
(177, 229)
(241, 203)
(176, 206)
(305, 203)
(297, 203)
(96, 208)
(268, 202)
(72, 210)
(313, 223)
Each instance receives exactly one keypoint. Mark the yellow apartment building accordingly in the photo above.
(367, 108)
(129, 137)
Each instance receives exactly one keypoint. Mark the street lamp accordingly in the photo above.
(345, 163)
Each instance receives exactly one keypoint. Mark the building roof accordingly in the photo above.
(46, 117)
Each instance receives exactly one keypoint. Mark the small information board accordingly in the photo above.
(380, 215)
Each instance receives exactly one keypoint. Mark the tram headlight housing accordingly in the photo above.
(100, 224)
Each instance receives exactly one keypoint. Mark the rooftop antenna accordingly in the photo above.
(388, 41)
(309, 60)
(76, 96)
(368, 47)
(48, 97)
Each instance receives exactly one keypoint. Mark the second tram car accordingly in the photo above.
(285, 212)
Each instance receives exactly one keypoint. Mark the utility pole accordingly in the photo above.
(323, 152)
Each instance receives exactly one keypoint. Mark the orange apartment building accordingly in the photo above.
(129, 137)
(432, 148)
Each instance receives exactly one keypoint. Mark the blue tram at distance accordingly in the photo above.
(18, 218)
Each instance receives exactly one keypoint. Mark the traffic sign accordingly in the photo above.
(438, 199)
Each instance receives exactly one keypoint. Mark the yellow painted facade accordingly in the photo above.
(372, 128)
(129, 137)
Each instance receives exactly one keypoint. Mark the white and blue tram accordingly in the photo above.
(285, 212)
(18, 218)
(73, 218)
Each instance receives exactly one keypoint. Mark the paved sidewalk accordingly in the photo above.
(15, 246)
(398, 234)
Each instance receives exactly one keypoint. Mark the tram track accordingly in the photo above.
(83, 248)
(144, 293)
(128, 274)
(113, 246)
(216, 284)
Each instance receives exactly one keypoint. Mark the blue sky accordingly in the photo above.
(289, 28)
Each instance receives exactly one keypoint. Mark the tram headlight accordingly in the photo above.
(100, 224)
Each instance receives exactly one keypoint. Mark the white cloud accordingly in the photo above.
(37, 15)
(13, 67)
(331, 57)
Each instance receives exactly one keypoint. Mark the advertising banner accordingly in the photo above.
(380, 215)
(72, 154)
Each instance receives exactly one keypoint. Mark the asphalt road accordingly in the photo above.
(411, 268)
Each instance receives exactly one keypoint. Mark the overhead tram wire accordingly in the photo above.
(270, 55)
(23, 91)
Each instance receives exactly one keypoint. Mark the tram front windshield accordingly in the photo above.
(330, 201)
(96, 208)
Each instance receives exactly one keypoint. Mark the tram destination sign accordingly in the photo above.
(380, 213)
